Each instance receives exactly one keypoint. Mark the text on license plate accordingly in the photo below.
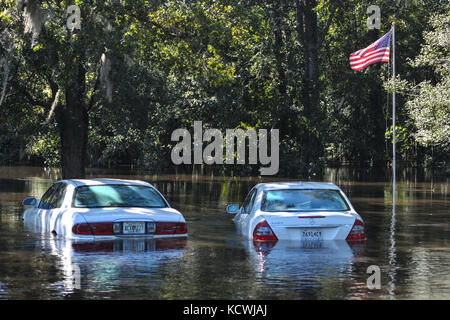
(133, 227)
(311, 234)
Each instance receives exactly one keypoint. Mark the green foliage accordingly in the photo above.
(404, 140)
(46, 147)
(429, 102)
(150, 67)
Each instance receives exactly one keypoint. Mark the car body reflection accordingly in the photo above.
(308, 259)
(98, 264)
(130, 245)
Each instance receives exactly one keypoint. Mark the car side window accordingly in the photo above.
(249, 201)
(45, 200)
(58, 196)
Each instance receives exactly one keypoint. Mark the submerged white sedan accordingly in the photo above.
(300, 211)
(103, 209)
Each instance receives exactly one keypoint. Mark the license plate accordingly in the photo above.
(133, 227)
(311, 234)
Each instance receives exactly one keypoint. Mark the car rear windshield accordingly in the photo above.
(303, 200)
(102, 196)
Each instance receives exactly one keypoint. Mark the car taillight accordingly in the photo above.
(263, 232)
(171, 228)
(181, 228)
(82, 228)
(99, 228)
(357, 232)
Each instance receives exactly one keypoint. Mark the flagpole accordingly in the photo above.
(393, 117)
(392, 253)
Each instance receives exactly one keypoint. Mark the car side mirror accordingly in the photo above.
(29, 202)
(233, 208)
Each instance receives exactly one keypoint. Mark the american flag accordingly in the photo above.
(376, 52)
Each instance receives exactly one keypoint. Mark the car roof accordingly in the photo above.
(104, 181)
(297, 185)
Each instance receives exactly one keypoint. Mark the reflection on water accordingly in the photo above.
(392, 254)
(310, 269)
(128, 245)
(300, 261)
(107, 261)
(410, 245)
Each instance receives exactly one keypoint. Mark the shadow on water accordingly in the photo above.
(411, 248)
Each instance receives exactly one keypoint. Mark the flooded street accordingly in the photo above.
(412, 249)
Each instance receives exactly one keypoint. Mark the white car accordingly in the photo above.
(103, 209)
(300, 211)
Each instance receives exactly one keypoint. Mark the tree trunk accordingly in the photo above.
(308, 36)
(283, 114)
(73, 124)
(376, 114)
(311, 54)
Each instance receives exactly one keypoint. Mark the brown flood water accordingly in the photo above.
(412, 250)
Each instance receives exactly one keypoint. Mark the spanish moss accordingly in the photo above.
(34, 19)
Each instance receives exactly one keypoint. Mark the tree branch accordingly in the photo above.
(31, 100)
(53, 85)
(299, 15)
(177, 35)
(90, 103)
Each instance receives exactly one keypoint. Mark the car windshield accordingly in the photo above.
(303, 200)
(102, 196)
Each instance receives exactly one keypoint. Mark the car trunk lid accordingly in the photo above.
(114, 214)
(324, 224)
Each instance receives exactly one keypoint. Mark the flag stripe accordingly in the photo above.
(372, 56)
(354, 56)
(363, 65)
(362, 61)
(371, 61)
(366, 62)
